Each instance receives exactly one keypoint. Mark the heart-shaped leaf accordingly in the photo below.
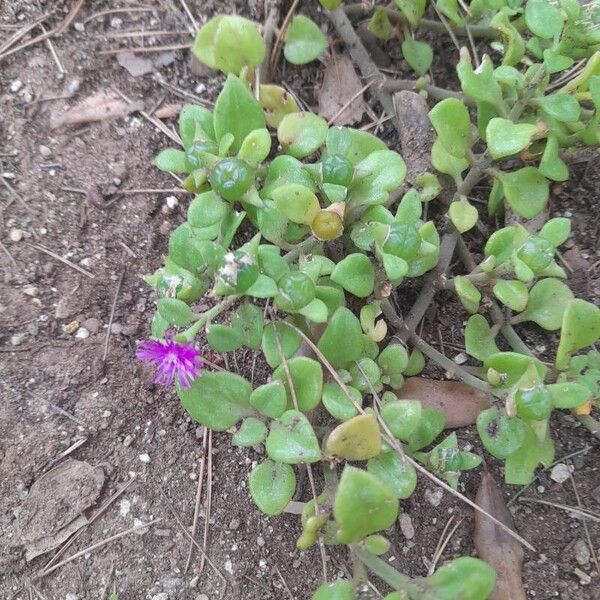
(251, 432)
(217, 400)
(548, 301)
(500, 434)
(340, 589)
(511, 293)
(342, 340)
(272, 486)
(270, 399)
(402, 417)
(562, 107)
(338, 404)
(292, 440)
(452, 123)
(380, 25)
(512, 366)
(543, 19)
(479, 341)
(276, 102)
(417, 54)
(236, 112)
(580, 328)
(353, 144)
(307, 380)
(480, 84)
(301, 133)
(289, 341)
(358, 438)
(223, 338)
(356, 274)
(396, 474)
(526, 191)
(444, 162)
(463, 215)
(552, 165)
(505, 138)
(363, 505)
(467, 293)
(569, 394)
(304, 41)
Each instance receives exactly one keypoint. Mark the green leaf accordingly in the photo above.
(270, 399)
(171, 160)
(228, 43)
(511, 293)
(552, 165)
(341, 342)
(463, 215)
(580, 328)
(556, 231)
(296, 202)
(375, 177)
(272, 486)
(430, 425)
(330, 5)
(569, 394)
(393, 359)
(195, 122)
(217, 400)
(480, 84)
(223, 338)
(340, 589)
(548, 300)
(292, 440)
(206, 209)
(175, 312)
(452, 123)
(500, 434)
(562, 107)
(520, 465)
(377, 544)
(417, 54)
(444, 162)
(479, 341)
(396, 474)
(363, 505)
(429, 184)
(380, 25)
(505, 138)
(467, 293)
(304, 41)
(514, 46)
(526, 191)
(416, 363)
(543, 19)
(359, 438)
(338, 404)
(512, 366)
(450, 9)
(402, 417)
(263, 287)
(301, 133)
(555, 62)
(412, 9)
(248, 322)
(296, 290)
(252, 431)
(307, 380)
(236, 112)
(289, 340)
(465, 578)
(368, 377)
(255, 147)
(355, 274)
(353, 144)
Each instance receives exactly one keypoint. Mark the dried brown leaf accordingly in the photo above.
(340, 84)
(458, 401)
(100, 106)
(495, 546)
(168, 111)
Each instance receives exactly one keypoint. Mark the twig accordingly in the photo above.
(438, 93)
(93, 547)
(447, 27)
(274, 59)
(268, 32)
(590, 424)
(583, 512)
(133, 34)
(198, 497)
(180, 92)
(112, 11)
(208, 504)
(112, 315)
(70, 16)
(53, 52)
(189, 14)
(285, 585)
(144, 49)
(15, 37)
(61, 259)
(443, 542)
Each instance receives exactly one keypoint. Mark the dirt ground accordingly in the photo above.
(61, 193)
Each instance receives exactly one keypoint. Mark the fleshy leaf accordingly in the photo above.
(397, 474)
(307, 379)
(270, 399)
(304, 41)
(511, 293)
(356, 274)
(251, 432)
(301, 133)
(548, 300)
(479, 341)
(526, 190)
(292, 440)
(272, 486)
(580, 328)
(342, 340)
(358, 438)
(505, 138)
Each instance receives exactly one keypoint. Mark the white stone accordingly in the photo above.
(560, 473)
(171, 201)
(434, 497)
(124, 507)
(16, 85)
(145, 458)
(82, 333)
(15, 235)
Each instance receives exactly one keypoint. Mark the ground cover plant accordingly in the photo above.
(337, 230)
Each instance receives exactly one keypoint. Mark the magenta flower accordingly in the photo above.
(172, 360)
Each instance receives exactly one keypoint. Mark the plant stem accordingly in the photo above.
(398, 581)
(438, 93)
(303, 247)
(479, 31)
(591, 424)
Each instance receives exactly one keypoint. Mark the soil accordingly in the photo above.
(59, 397)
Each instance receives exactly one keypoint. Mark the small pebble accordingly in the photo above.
(234, 524)
(124, 507)
(71, 327)
(116, 22)
(161, 596)
(30, 290)
(145, 458)
(17, 339)
(45, 151)
(434, 497)
(171, 201)
(128, 441)
(79, 26)
(260, 541)
(461, 359)
(582, 553)
(73, 86)
(560, 473)
(406, 526)
(16, 85)
(584, 578)
(82, 333)
(92, 325)
(15, 235)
